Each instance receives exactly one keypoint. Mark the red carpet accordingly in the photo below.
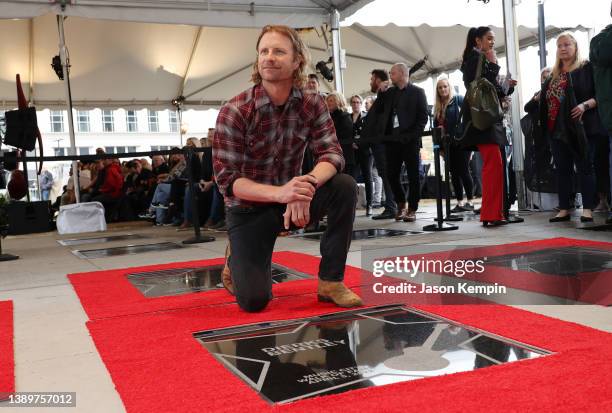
(7, 363)
(594, 288)
(110, 294)
(157, 365)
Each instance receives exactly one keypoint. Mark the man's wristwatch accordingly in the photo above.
(586, 106)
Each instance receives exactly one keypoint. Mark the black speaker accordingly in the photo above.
(10, 160)
(29, 217)
(21, 128)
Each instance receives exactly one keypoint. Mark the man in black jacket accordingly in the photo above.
(371, 138)
(401, 116)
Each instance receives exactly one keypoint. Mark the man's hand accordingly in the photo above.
(297, 212)
(205, 186)
(300, 188)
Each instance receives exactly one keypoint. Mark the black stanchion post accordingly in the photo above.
(195, 216)
(440, 225)
(6, 257)
(447, 186)
(27, 179)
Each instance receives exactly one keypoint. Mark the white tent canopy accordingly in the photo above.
(219, 13)
(123, 64)
(119, 63)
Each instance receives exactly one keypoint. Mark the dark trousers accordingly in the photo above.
(602, 165)
(253, 230)
(109, 203)
(476, 173)
(365, 162)
(510, 190)
(404, 153)
(564, 162)
(459, 161)
(379, 152)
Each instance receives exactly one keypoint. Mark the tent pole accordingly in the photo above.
(513, 67)
(65, 68)
(336, 50)
(542, 35)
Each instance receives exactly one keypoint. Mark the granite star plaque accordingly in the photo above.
(285, 361)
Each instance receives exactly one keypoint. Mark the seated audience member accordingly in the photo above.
(161, 196)
(141, 183)
(112, 189)
(69, 197)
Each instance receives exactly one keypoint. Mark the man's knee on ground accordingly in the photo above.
(253, 304)
(345, 184)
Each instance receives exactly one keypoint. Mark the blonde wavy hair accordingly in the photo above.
(340, 100)
(299, 49)
(578, 61)
(439, 105)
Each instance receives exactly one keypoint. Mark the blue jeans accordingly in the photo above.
(161, 196)
(217, 208)
(565, 160)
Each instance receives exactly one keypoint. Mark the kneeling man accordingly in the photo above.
(258, 148)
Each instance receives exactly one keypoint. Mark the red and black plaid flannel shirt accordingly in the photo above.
(257, 140)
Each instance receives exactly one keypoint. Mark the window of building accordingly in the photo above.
(83, 120)
(83, 150)
(132, 123)
(108, 121)
(119, 149)
(60, 151)
(57, 121)
(160, 148)
(153, 121)
(173, 120)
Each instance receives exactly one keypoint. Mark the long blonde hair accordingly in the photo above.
(340, 100)
(196, 143)
(299, 49)
(440, 106)
(578, 61)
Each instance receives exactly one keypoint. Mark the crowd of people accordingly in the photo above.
(155, 189)
(383, 149)
(284, 154)
(380, 139)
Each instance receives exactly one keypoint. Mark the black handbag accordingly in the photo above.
(21, 128)
(579, 145)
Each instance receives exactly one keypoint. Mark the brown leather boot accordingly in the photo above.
(401, 211)
(336, 292)
(226, 276)
(410, 215)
